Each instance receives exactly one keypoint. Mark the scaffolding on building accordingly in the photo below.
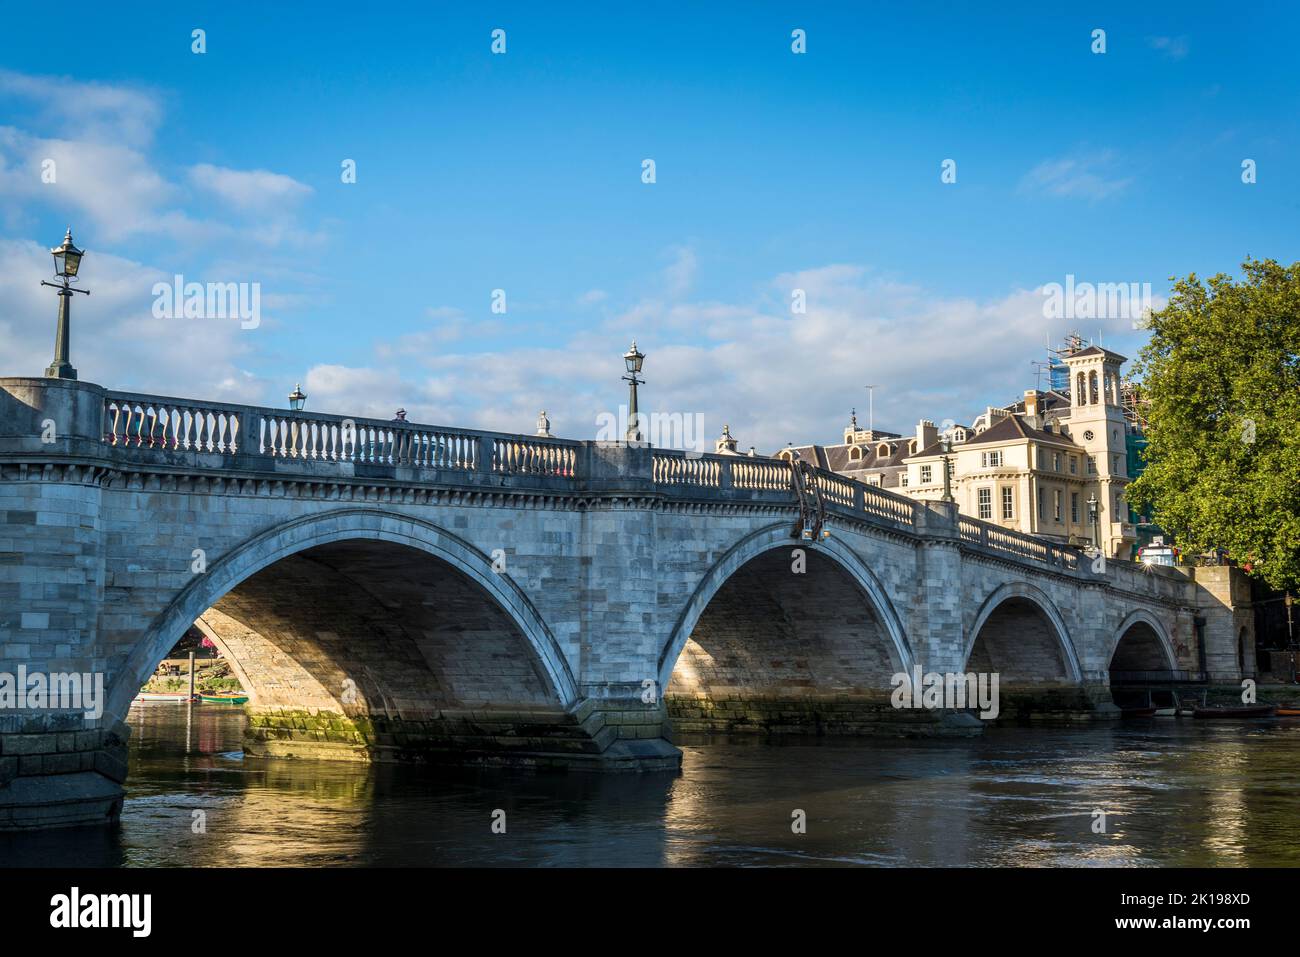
(1054, 368)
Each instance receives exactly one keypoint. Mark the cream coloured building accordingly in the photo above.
(1033, 466)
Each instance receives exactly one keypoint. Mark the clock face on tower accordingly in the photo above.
(1087, 436)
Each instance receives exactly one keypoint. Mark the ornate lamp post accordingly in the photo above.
(947, 468)
(297, 398)
(1290, 635)
(67, 260)
(633, 360)
(1093, 517)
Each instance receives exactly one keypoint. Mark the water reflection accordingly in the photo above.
(1174, 792)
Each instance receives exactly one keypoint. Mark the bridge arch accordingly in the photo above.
(339, 528)
(774, 545)
(1010, 605)
(1141, 640)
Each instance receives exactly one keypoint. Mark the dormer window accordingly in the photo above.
(855, 454)
(882, 450)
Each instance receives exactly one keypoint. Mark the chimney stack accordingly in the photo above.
(1031, 408)
(926, 434)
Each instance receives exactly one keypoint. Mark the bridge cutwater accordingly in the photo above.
(388, 591)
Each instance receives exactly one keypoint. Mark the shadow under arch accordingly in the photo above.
(773, 538)
(1025, 592)
(1156, 625)
(340, 525)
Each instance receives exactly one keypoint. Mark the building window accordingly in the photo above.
(1008, 502)
(927, 474)
(1074, 465)
(986, 503)
(1114, 465)
(1056, 461)
(1092, 391)
(1079, 397)
(1056, 504)
(1074, 508)
(991, 460)
(1042, 510)
(855, 453)
(902, 479)
(1092, 465)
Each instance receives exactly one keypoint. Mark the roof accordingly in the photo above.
(1097, 351)
(1011, 428)
(835, 458)
(1047, 402)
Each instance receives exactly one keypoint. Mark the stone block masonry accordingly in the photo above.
(396, 592)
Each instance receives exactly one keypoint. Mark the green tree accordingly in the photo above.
(1221, 379)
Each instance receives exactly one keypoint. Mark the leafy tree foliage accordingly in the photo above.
(1221, 379)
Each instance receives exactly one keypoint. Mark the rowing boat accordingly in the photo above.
(1253, 711)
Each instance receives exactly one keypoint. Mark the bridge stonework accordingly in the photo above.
(388, 591)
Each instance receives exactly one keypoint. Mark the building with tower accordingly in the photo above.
(1054, 463)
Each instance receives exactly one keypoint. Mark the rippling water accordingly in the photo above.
(1177, 792)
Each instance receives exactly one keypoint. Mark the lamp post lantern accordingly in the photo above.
(633, 359)
(297, 398)
(67, 261)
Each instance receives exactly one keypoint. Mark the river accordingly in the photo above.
(1175, 792)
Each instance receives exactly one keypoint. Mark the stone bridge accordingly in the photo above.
(387, 590)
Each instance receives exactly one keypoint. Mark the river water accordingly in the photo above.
(1175, 792)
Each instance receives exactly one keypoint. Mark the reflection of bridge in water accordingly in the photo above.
(391, 590)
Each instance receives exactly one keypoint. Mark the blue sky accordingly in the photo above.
(522, 172)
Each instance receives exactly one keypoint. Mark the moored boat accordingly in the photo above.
(219, 698)
(1252, 711)
(1288, 712)
(1138, 712)
(174, 696)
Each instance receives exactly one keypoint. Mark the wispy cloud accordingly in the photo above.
(89, 156)
(929, 355)
(1174, 48)
(249, 189)
(1085, 175)
(679, 275)
(88, 111)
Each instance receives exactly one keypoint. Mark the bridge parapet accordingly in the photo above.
(218, 436)
(137, 421)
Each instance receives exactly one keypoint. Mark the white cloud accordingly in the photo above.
(249, 189)
(1088, 176)
(112, 185)
(773, 376)
(88, 111)
(116, 341)
(116, 186)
